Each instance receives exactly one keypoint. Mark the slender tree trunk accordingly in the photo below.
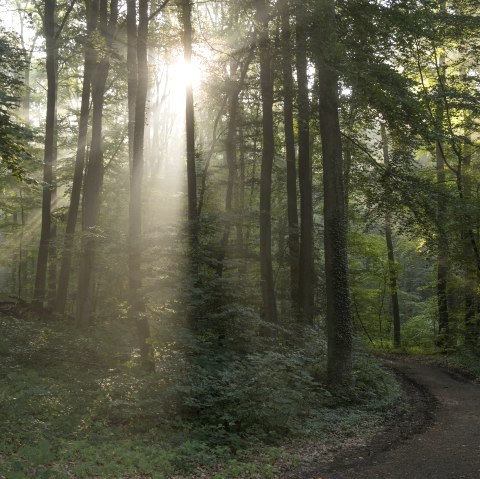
(20, 247)
(137, 303)
(16, 256)
(470, 333)
(190, 125)
(49, 152)
(442, 255)
(94, 174)
(347, 151)
(393, 284)
(392, 270)
(52, 247)
(241, 201)
(251, 193)
(471, 268)
(292, 208)
(266, 85)
(231, 156)
(231, 151)
(339, 320)
(306, 266)
(132, 73)
(65, 268)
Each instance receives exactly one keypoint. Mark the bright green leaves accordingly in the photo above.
(13, 135)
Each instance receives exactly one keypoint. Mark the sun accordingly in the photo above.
(186, 74)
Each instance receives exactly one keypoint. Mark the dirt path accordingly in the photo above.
(448, 448)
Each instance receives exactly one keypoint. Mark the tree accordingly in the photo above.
(190, 127)
(266, 87)
(292, 207)
(442, 266)
(65, 268)
(306, 266)
(392, 271)
(94, 175)
(339, 321)
(49, 152)
(235, 87)
(137, 303)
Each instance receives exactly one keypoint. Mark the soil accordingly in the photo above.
(439, 440)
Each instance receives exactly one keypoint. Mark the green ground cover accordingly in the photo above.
(76, 405)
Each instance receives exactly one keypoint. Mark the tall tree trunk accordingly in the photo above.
(347, 149)
(190, 127)
(306, 266)
(292, 208)
(339, 320)
(21, 267)
(132, 73)
(442, 255)
(471, 268)
(137, 303)
(231, 150)
(392, 270)
(49, 152)
(94, 174)
(240, 246)
(231, 156)
(266, 86)
(65, 268)
(52, 247)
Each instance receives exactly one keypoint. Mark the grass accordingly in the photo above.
(75, 405)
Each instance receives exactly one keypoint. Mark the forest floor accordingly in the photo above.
(73, 405)
(440, 440)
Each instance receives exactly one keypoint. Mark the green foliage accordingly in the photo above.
(75, 405)
(13, 149)
(420, 330)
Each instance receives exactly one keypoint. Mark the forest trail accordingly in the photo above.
(448, 449)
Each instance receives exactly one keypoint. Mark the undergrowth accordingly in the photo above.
(76, 405)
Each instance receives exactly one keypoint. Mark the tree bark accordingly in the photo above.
(339, 320)
(52, 247)
(49, 152)
(392, 270)
(306, 266)
(65, 268)
(21, 272)
(94, 174)
(240, 246)
(266, 86)
(190, 122)
(132, 73)
(442, 255)
(137, 304)
(231, 150)
(292, 207)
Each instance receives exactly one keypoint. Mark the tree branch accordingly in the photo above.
(65, 18)
(158, 10)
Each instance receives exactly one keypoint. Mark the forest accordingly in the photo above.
(219, 219)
